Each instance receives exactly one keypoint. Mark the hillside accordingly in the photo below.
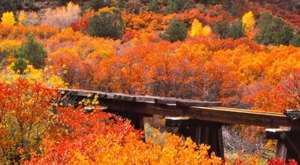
(242, 53)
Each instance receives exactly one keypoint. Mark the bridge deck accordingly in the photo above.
(194, 109)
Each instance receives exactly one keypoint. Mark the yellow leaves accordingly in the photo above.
(21, 17)
(8, 19)
(10, 46)
(105, 9)
(248, 23)
(197, 29)
(128, 149)
(206, 31)
(46, 77)
(271, 144)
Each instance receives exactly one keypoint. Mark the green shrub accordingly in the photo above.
(97, 4)
(177, 30)
(153, 5)
(295, 41)
(175, 6)
(273, 30)
(16, 5)
(221, 28)
(236, 30)
(33, 52)
(107, 24)
(9, 5)
(20, 65)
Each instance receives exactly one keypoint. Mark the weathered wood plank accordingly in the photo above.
(188, 103)
(165, 107)
(239, 116)
(141, 98)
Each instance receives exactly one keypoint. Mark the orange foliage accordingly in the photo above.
(21, 32)
(210, 16)
(112, 140)
(82, 23)
(146, 20)
(25, 116)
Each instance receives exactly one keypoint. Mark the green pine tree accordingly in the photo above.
(20, 65)
(97, 4)
(221, 28)
(236, 31)
(9, 5)
(33, 52)
(295, 41)
(177, 30)
(175, 6)
(107, 24)
(153, 5)
(273, 30)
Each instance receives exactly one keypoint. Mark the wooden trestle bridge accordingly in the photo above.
(200, 120)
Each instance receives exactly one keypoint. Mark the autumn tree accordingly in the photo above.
(21, 17)
(8, 18)
(106, 23)
(25, 116)
(177, 30)
(248, 23)
(61, 17)
(8, 49)
(99, 136)
(197, 29)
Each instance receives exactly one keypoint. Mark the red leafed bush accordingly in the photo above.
(82, 23)
(280, 161)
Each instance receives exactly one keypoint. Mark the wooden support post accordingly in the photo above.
(281, 150)
(209, 133)
(215, 138)
(288, 146)
(279, 135)
(292, 143)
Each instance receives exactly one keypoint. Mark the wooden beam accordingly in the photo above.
(239, 116)
(151, 105)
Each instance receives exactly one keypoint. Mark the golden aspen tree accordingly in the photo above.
(8, 19)
(248, 23)
(206, 31)
(196, 28)
(21, 17)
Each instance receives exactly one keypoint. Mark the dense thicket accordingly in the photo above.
(222, 51)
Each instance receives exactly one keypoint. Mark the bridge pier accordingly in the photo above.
(288, 146)
(209, 133)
